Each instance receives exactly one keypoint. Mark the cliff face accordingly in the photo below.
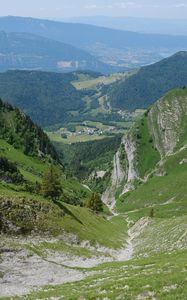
(168, 122)
(160, 133)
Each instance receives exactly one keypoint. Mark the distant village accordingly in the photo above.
(86, 130)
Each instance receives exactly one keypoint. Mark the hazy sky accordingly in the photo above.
(69, 8)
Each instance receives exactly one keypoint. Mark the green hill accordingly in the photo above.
(48, 98)
(150, 83)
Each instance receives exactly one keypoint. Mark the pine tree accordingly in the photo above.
(151, 214)
(51, 186)
(95, 203)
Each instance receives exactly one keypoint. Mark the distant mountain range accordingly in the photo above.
(150, 83)
(116, 48)
(28, 51)
(143, 25)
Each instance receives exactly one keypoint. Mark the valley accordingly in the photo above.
(93, 163)
(106, 254)
(103, 49)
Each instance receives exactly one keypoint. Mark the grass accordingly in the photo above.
(89, 226)
(162, 236)
(91, 83)
(160, 277)
(159, 267)
(54, 137)
(147, 155)
(170, 189)
(31, 167)
(62, 217)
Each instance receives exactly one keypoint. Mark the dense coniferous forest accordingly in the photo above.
(150, 83)
(46, 97)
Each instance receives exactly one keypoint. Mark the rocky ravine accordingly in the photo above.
(23, 270)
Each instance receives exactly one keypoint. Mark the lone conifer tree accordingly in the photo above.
(151, 214)
(51, 186)
(95, 203)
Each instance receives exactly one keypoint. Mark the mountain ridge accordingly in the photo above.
(109, 45)
(150, 83)
(21, 50)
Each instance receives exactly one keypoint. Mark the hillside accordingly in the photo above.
(19, 131)
(31, 225)
(115, 47)
(27, 51)
(56, 99)
(153, 159)
(25, 156)
(63, 250)
(45, 97)
(150, 83)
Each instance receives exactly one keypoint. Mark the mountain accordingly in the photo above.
(146, 239)
(115, 47)
(135, 24)
(28, 51)
(150, 83)
(129, 250)
(153, 158)
(47, 98)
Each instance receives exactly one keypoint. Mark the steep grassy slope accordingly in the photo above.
(26, 154)
(27, 51)
(159, 159)
(19, 130)
(150, 83)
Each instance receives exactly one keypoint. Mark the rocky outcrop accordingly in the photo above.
(130, 149)
(167, 121)
(162, 128)
(117, 177)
